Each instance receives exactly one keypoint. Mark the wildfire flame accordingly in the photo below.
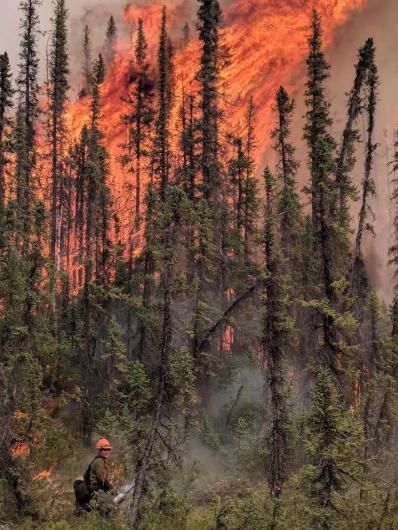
(228, 339)
(266, 41)
(44, 475)
(20, 449)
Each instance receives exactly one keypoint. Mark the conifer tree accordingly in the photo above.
(109, 48)
(87, 67)
(211, 269)
(22, 328)
(384, 423)
(250, 209)
(345, 161)
(111, 30)
(160, 165)
(27, 113)
(58, 100)
(162, 142)
(368, 184)
(21, 264)
(186, 34)
(287, 166)
(141, 46)
(393, 250)
(237, 168)
(209, 15)
(166, 225)
(321, 154)
(274, 339)
(319, 140)
(334, 438)
(96, 249)
(139, 119)
(187, 169)
(80, 158)
(139, 123)
(6, 104)
(187, 173)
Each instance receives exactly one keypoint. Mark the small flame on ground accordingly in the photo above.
(19, 415)
(44, 475)
(20, 449)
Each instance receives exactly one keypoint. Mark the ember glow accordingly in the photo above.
(44, 475)
(20, 449)
(228, 339)
(266, 42)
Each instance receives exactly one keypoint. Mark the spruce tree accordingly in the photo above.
(187, 172)
(275, 339)
(289, 206)
(237, 169)
(80, 159)
(141, 47)
(96, 252)
(110, 40)
(6, 104)
(209, 16)
(385, 419)
(346, 159)
(166, 222)
(393, 250)
(111, 32)
(139, 119)
(321, 154)
(186, 34)
(59, 70)
(87, 67)
(250, 209)
(162, 141)
(187, 169)
(334, 438)
(211, 268)
(27, 114)
(23, 324)
(368, 185)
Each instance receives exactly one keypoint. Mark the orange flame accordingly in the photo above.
(267, 45)
(20, 449)
(44, 475)
(19, 415)
(228, 339)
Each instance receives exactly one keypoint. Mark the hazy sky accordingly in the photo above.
(9, 24)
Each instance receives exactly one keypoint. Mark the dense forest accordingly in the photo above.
(229, 342)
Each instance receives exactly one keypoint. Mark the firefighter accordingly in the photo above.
(101, 490)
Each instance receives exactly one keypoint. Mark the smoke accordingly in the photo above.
(377, 20)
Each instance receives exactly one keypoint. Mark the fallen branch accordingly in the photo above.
(233, 307)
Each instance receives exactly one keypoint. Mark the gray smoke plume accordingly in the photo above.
(377, 20)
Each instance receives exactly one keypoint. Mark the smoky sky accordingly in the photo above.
(378, 19)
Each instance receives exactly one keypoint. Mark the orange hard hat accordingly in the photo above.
(103, 443)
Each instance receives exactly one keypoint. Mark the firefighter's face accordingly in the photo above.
(104, 453)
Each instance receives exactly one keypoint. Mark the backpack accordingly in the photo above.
(82, 489)
(82, 494)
